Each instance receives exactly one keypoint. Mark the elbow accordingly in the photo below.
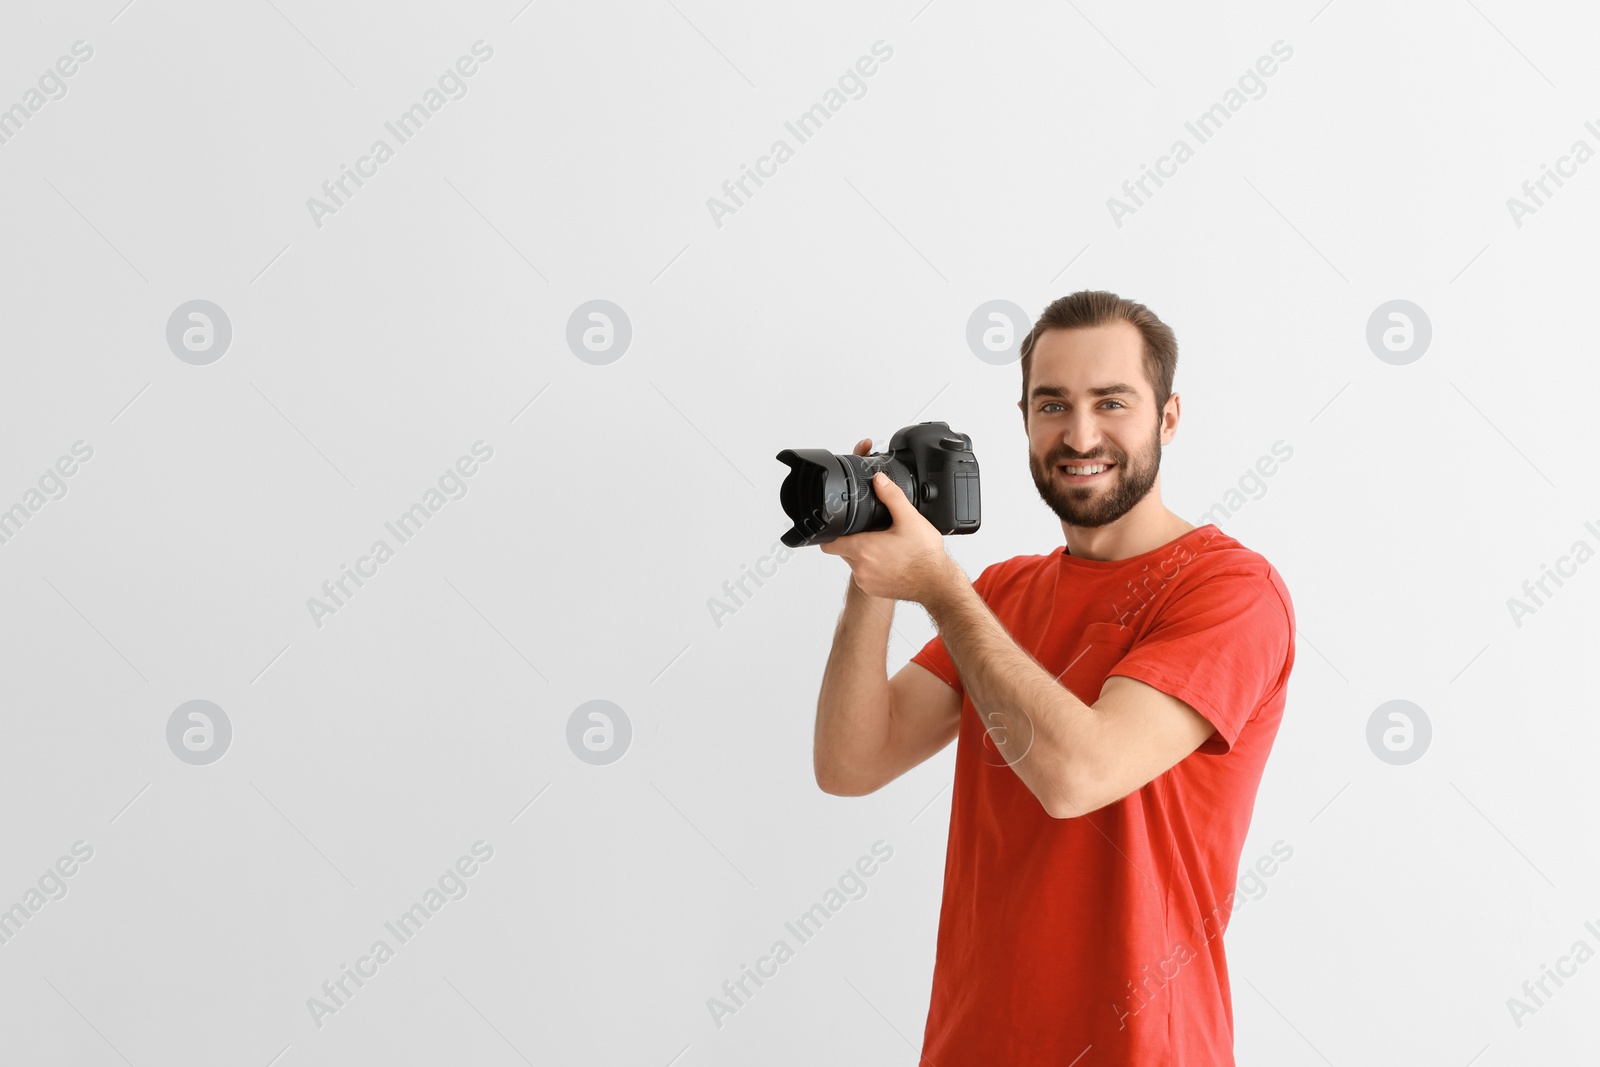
(828, 783)
(836, 783)
(1061, 808)
(826, 774)
(1071, 796)
(842, 789)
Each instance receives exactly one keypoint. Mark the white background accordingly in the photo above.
(430, 312)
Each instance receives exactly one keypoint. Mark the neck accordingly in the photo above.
(1146, 527)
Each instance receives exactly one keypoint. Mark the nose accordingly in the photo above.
(1081, 437)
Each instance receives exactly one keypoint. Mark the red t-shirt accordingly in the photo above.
(1100, 936)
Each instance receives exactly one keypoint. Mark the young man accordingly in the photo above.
(1115, 700)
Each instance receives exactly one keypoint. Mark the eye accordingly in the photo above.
(1119, 403)
(1048, 404)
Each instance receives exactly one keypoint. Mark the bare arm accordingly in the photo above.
(1075, 757)
(871, 729)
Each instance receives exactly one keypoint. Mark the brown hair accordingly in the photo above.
(1095, 307)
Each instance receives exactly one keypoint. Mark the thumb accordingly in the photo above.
(892, 496)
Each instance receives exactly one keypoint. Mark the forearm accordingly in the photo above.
(853, 707)
(1035, 722)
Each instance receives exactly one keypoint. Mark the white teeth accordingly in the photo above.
(1087, 470)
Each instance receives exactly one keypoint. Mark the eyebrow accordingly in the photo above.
(1114, 389)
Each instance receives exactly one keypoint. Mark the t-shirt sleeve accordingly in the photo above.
(1221, 648)
(935, 658)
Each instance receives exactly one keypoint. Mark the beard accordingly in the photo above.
(1090, 506)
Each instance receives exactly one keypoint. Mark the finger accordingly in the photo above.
(864, 446)
(892, 496)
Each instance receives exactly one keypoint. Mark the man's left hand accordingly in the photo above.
(905, 562)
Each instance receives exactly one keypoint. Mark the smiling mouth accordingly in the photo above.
(1099, 470)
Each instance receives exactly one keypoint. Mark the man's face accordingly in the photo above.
(1069, 423)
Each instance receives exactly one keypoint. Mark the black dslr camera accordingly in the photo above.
(828, 496)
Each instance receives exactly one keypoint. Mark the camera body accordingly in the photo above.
(827, 495)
